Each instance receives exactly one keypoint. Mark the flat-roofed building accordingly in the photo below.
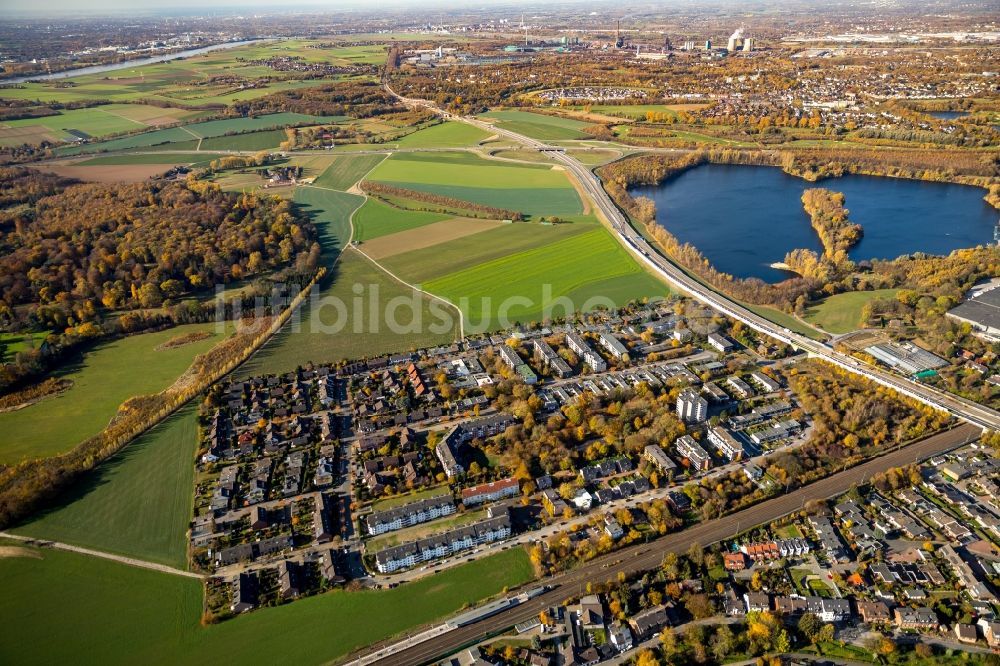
(691, 407)
(727, 445)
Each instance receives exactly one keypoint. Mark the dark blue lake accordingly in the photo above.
(743, 218)
(948, 115)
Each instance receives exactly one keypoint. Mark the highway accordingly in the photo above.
(644, 557)
(972, 412)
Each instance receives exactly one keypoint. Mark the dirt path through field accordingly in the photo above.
(130, 561)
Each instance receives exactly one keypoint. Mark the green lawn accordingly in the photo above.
(581, 268)
(138, 503)
(841, 313)
(346, 170)
(785, 320)
(400, 500)
(538, 126)
(444, 135)
(424, 530)
(12, 343)
(69, 608)
(376, 219)
(104, 378)
(536, 190)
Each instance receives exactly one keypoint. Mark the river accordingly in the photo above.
(743, 218)
(110, 67)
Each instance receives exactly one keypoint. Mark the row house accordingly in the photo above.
(410, 514)
(453, 541)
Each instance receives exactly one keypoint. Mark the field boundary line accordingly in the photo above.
(192, 133)
(117, 115)
(352, 245)
(121, 559)
(461, 317)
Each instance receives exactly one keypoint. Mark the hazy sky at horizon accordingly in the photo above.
(193, 7)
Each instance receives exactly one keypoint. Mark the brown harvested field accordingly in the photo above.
(160, 120)
(426, 236)
(106, 173)
(15, 136)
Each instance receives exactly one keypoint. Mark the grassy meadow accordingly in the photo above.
(539, 126)
(588, 265)
(841, 313)
(103, 379)
(137, 504)
(346, 170)
(256, 133)
(444, 135)
(67, 608)
(376, 219)
(536, 190)
(97, 121)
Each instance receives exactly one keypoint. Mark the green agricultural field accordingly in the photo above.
(102, 380)
(376, 219)
(444, 135)
(69, 608)
(103, 608)
(199, 80)
(539, 126)
(327, 334)
(170, 135)
(536, 190)
(595, 157)
(346, 170)
(579, 268)
(252, 141)
(138, 503)
(214, 133)
(97, 121)
(331, 213)
(423, 265)
(306, 342)
(841, 313)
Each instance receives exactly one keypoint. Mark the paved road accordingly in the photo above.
(131, 561)
(644, 557)
(676, 277)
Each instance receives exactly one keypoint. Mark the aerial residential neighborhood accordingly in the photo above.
(500, 333)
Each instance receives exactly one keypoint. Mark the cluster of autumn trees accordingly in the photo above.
(440, 201)
(96, 247)
(30, 485)
(837, 234)
(356, 98)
